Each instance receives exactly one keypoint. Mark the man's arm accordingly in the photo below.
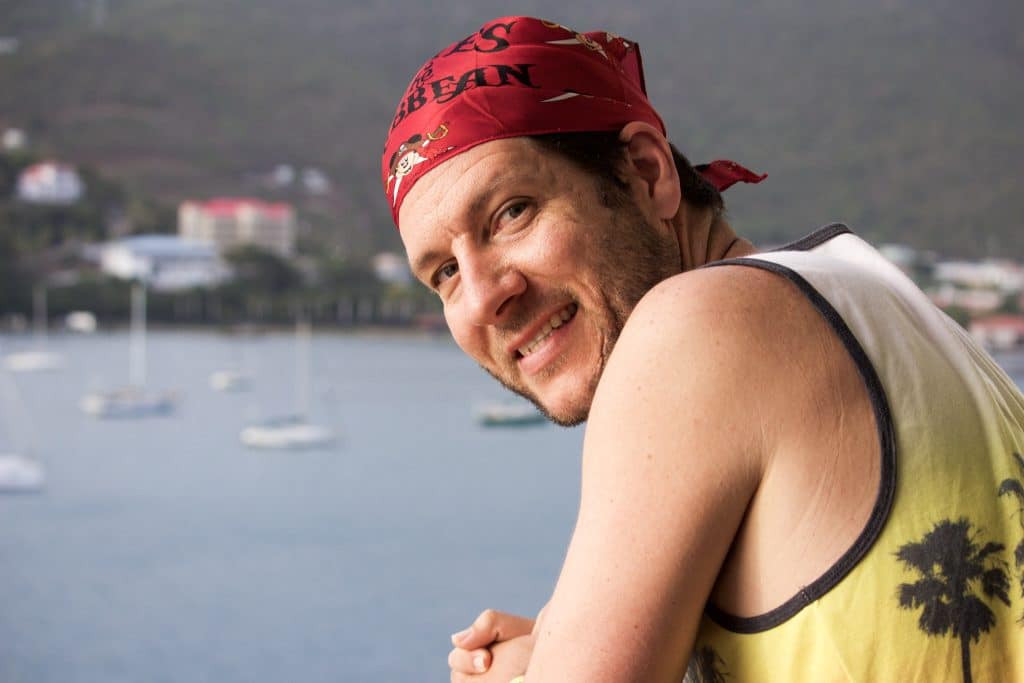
(675, 448)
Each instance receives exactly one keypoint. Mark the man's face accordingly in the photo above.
(536, 271)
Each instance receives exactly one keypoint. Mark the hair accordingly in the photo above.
(601, 153)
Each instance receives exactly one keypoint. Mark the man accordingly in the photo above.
(795, 467)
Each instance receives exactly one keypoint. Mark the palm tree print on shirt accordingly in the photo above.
(952, 567)
(704, 667)
(1014, 487)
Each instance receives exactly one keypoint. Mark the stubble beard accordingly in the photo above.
(632, 257)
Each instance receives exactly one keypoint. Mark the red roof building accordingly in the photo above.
(230, 222)
(998, 331)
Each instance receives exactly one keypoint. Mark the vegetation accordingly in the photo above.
(900, 122)
(903, 123)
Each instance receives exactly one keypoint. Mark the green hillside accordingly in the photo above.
(899, 118)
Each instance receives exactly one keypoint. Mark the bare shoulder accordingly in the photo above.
(716, 333)
(717, 300)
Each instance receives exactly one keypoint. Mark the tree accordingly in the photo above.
(951, 564)
(1011, 486)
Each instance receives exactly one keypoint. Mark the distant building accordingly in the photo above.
(229, 223)
(50, 182)
(390, 267)
(998, 331)
(164, 262)
(315, 181)
(1005, 276)
(14, 139)
(974, 301)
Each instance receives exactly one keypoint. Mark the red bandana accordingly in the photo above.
(519, 76)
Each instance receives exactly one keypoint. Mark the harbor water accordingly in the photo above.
(161, 549)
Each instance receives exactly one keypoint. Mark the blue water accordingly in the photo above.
(163, 550)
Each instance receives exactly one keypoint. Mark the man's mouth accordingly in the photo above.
(553, 323)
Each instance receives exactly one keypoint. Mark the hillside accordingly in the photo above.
(904, 124)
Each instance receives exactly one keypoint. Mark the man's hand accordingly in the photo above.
(496, 646)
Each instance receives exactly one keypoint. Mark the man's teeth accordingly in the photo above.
(553, 323)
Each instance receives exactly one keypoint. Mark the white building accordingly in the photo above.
(14, 139)
(998, 331)
(390, 267)
(50, 182)
(164, 262)
(1005, 276)
(229, 223)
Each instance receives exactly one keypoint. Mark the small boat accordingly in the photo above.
(128, 402)
(34, 360)
(508, 414)
(37, 359)
(132, 401)
(82, 322)
(230, 380)
(19, 474)
(291, 432)
(295, 431)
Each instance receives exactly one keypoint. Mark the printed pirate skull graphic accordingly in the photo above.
(407, 156)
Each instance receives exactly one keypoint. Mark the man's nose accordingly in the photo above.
(489, 287)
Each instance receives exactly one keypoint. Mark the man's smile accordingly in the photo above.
(538, 345)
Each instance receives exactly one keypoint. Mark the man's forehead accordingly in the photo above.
(462, 184)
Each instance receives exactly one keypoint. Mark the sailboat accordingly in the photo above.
(132, 401)
(293, 432)
(20, 472)
(38, 358)
(507, 414)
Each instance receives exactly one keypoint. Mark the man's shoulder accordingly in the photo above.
(727, 300)
(731, 325)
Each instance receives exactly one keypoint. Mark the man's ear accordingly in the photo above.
(649, 158)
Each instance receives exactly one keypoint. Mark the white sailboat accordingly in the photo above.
(230, 380)
(293, 432)
(38, 358)
(507, 414)
(20, 472)
(134, 400)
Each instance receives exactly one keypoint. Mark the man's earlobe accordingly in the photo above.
(650, 157)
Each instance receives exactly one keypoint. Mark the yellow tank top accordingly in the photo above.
(933, 588)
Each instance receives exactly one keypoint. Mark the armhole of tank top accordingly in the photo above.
(887, 476)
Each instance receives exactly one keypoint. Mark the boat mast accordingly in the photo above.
(39, 314)
(137, 357)
(303, 336)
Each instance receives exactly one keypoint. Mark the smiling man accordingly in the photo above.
(795, 467)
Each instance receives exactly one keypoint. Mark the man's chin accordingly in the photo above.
(565, 413)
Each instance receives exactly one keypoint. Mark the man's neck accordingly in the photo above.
(705, 237)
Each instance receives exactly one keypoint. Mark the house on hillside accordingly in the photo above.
(230, 222)
(164, 262)
(14, 139)
(50, 182)
(998, 274)
(998, 331)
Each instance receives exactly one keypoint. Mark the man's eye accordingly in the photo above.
(446, 271)
(515, 211)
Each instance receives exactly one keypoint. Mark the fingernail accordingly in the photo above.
(458, 637)
(478, 663)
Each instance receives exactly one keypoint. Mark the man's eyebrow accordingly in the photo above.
(480, 198)
(421, 262)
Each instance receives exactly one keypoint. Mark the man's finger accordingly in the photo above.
(469, 661)
(492, 626)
